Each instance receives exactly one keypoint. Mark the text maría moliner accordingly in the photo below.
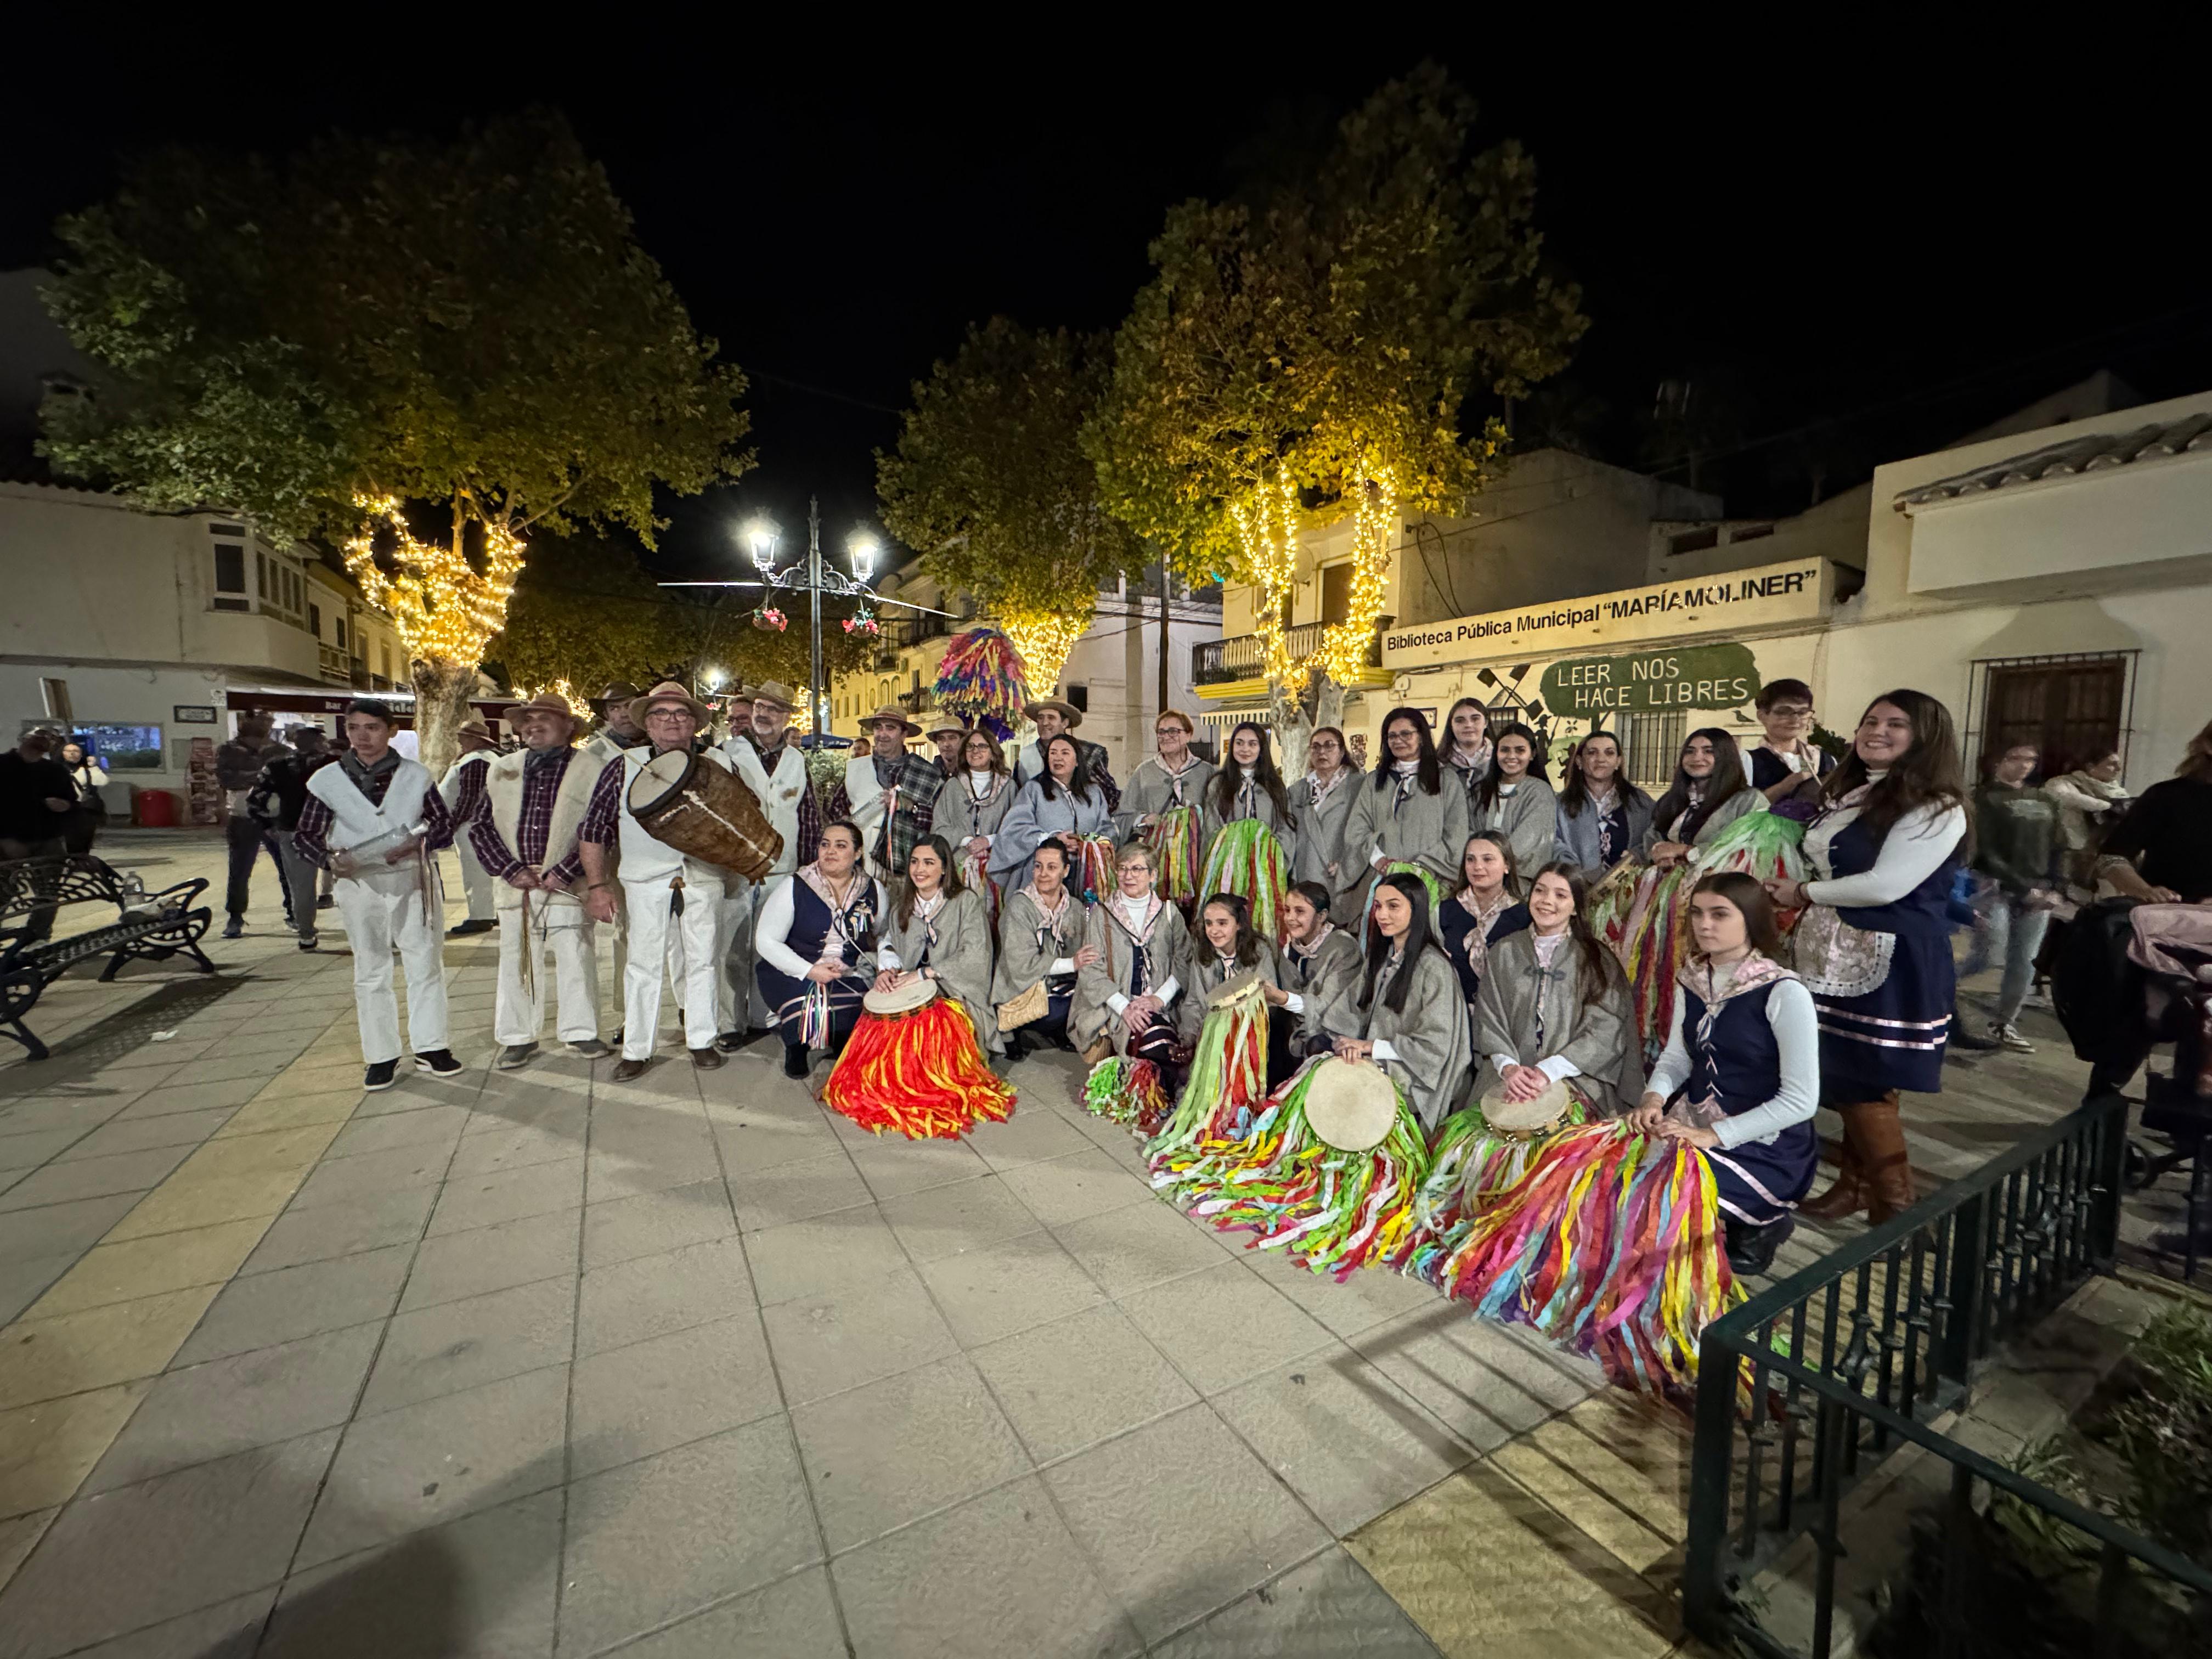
(1624, 608)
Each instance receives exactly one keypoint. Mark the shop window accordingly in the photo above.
(230, 577)
(1336, 592)
(2071, 708)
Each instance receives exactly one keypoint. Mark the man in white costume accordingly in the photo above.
(769, 759)
(526, 833)
(890, 792)
(674, 902)
(355, 823)
(462, 788)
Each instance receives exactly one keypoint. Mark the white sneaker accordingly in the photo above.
(2010, 1036)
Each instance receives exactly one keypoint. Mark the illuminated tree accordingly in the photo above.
(989, 482)
(1315, 358)
(421, 350)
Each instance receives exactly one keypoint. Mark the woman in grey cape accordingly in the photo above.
(1137, 954)
(1553, 1006)
(939, 928)
(1410, 1020)
(1058, 801)
(1601, 815)
(1321, 801)
(1041, 941)
(1248, 786)
(1710, 791)
(1173, 777)
(1318, 973)
(973, 803)
(1514, 797)
(1223, 947)
(1409, 812)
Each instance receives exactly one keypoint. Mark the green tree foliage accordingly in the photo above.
(1335, 337)
(469, 327)
(990, 483)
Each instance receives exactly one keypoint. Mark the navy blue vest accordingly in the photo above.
(1741, 1066)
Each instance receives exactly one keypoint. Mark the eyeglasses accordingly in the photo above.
(1790, 711)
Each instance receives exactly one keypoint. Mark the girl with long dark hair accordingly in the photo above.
(1040, 940)
(940, 929)
(1709, 793)
(817, 947)
(1225, 945)
(1251, 834)
(1515, 796)
(1467, 729)
(1321, 803)
(1874, 945)
(1486, 908)
(1060, 801)
(1407, 813)
(1553, 1008)
(1409, 1014)
(1601, 815)
(1320, 966)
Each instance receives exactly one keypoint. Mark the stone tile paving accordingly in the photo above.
(528, 1363)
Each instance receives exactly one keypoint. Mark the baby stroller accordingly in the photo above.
(2134, 975)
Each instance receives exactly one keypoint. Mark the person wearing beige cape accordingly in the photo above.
(937, 927)
(1041, 947)
(1407, 813)
(1124, 994)
(1553, 1008)
(1410, 1020)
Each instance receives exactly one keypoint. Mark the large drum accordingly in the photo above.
(704, 812)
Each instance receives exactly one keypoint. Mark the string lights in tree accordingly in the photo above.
(445, 608)
(1267, 526)
(1045, 639)
(1344, 644)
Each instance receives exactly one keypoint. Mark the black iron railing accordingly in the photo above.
(1805, 1389)
(1216, 662)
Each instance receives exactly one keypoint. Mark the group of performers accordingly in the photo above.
(1558, 1051)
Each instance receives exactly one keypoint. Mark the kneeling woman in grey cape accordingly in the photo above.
(1553, 1006)
(1411, 1022)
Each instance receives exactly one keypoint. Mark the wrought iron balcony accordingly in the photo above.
(1217, 662)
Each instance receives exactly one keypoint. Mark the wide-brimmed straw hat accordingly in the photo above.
(545, 702)
(889, 711)
(622, 691)
(777, 692)
(946, 723)
(669, 692)
(1068, 711)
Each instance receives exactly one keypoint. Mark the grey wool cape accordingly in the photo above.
(1428, 1036)
(1430, 830)
(1528, 818)
(1327, 983)
(1032, 820)
(1599, 1036)
(1743, 801)
(1029, 945)
(1151, 792)
(961, 818)
(960, 958)
(1321, 833)
(1168, 956)
(1208, 974)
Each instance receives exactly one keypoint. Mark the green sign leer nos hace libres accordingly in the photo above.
(1694, 677)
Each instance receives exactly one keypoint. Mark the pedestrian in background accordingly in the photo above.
(36, 797)
(2016, 854)
(276, 803)
(90, 817)
(238, 766)
(462, 788)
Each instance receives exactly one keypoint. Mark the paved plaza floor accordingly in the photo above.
(529, 1362)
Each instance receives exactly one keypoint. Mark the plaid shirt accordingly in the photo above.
(540, 784)
(311, 841)
(475, 769)
(917, 781)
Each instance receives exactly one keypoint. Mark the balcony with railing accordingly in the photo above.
(333, 665)
(1241, 657)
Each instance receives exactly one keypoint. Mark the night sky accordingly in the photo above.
(1889, 242)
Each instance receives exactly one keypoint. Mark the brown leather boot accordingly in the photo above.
(1888, 1167)
(1848, 1196)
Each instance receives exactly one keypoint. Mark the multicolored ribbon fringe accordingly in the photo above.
(1094, 875)
(1228, 1079)
(981, 677)
(1611, 1246)
(1469, 1166)
(922, 1074)
(1127, 1091)
(1763, 844)
(1332, 1210)
(1246, 859)
(1178, 845)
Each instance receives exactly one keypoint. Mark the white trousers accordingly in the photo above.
(741, 907)
(476, 881)
(683, 947)
(565, 931)
(384, 912)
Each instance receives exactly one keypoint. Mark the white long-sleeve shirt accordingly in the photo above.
(1796, 1027)
(1914, 850)
(770, 938)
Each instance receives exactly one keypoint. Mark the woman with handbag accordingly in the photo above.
(90, 816)
(1875, 947)
(1139, 952)
(1041, 949)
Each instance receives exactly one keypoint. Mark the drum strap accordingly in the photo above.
(675, 895)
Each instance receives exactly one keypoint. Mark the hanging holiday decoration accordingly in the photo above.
(1045, 638)
(768, 619)
(982, 678)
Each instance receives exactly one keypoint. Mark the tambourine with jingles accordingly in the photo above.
(704, 812)
(903, 999)
(1526, 1119)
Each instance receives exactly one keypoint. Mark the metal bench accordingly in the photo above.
(151, 926)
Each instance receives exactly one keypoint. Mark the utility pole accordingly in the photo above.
(814, 687)
(1164, 630)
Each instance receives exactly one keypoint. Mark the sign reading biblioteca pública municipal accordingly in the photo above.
(1734, 602)
(1694, 676)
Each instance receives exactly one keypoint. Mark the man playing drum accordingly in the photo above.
(892, 794)
(372, 820)
(673, 902)
(769, 761)
(535, 808)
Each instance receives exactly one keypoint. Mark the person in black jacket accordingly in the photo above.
(278, 794)
(238, 766)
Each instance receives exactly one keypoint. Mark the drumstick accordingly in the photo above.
(529, 951)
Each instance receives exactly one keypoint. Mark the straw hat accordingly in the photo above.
(1068, 711)
(668, 691)
(1350, 1108)
(777, 693)
(545, 702)
(889, 711)
(622, 691)
(945, 723)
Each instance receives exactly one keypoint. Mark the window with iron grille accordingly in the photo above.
(1654, 743)
(2074, 708)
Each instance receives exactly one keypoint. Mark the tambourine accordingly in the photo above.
(1350, 1107)
(1524, 1120)
(916, 992)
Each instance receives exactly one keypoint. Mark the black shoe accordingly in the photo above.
(590, 1048)
(326, 903)
(794, 1060)
(439, 1062)
(631, 1070)
(1963, 1035)
(307, 945)
(462, 930)
(1751, 1249)
(1016, 1052)
(707, 1059)
(515, 1055)
(379, 1076)
(729, 1041)
(235, 928)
